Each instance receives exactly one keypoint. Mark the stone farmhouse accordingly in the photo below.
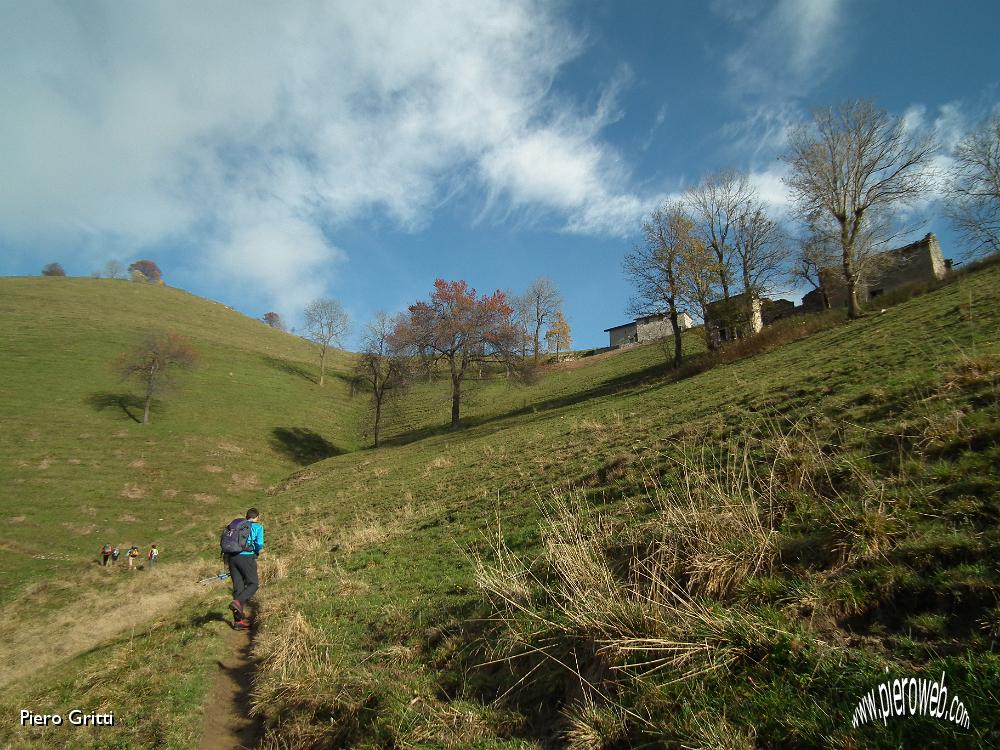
(731, 319)
(647, 328)
(919, 261)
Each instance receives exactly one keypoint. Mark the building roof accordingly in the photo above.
(641, 318)
(623, 325)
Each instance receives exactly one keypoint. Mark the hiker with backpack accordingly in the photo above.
(114, 554)
(105, 554)
(153, 554)
(242, 541)
(133, 555)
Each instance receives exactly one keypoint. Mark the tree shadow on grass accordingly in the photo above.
(302, 445)
(124, 401)
(292, 368)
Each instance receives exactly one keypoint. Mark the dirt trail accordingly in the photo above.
(228, 724)
(95, 617)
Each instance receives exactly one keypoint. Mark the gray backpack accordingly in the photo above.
(236, 537)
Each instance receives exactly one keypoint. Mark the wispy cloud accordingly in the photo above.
(253, 135)
(787, 49)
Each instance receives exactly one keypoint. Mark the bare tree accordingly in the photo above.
(653, 267)
(717, 203)
(851, 161)
(541, 301)
(114, 269)
(521, 317)
(326, 325)
(974, 187)
(383, 363)
(152, 362)
(760, 253)
(816, 254)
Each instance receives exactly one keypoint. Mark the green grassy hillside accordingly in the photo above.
(814, 516)
(77, 470)
(612, 557)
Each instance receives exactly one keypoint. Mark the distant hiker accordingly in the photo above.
(153, 554)
(242, 541)
(114, 554)
(133, 555)
(105, 554)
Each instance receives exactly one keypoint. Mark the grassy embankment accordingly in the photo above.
(77, 470)
(439, 594)
(76, 467)
(728, 559)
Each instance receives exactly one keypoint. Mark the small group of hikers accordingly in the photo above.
(110, 555)
(242, 541)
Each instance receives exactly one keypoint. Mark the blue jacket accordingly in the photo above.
(256, 538)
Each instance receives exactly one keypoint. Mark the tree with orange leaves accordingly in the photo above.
(461, 328)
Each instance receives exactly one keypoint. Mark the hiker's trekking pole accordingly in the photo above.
(220, 577)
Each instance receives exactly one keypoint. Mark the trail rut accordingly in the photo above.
(227, 721)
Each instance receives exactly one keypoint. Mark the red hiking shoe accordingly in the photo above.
(241, 625)
(236, 608)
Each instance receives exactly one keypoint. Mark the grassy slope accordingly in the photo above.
(76, 470)
(381, 600)
(75, 466)
(387, 626)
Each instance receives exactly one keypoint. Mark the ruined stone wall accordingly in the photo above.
(918, 262)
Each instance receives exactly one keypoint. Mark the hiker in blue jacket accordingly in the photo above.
(243, 567)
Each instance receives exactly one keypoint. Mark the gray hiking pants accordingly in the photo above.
(243, 570)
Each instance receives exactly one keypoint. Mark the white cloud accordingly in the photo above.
(128, 125)
(787, 50)
(772, 190)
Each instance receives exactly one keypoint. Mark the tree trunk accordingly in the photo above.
(847, 243)
(378, 417)
(322, 364)
(538, 327)
(456, 400)
(675, 325)
(149, 392)
(749, 303)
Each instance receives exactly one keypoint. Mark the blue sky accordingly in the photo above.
(267, 154)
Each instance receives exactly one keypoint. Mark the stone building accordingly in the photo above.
(731, 319)
(919, 261)
(647, 328)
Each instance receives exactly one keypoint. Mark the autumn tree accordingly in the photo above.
(973, 188)
(558, 335)
(717, 203)
(53, 269)
(698, 281)
(153, 362)
(274, 320)
(383, 364)
(851, 162)
(461, 329)
(146, 271)
(326, 325)
(541, 302)
(652, 267)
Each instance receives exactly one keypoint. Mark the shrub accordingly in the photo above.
(53, 269)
